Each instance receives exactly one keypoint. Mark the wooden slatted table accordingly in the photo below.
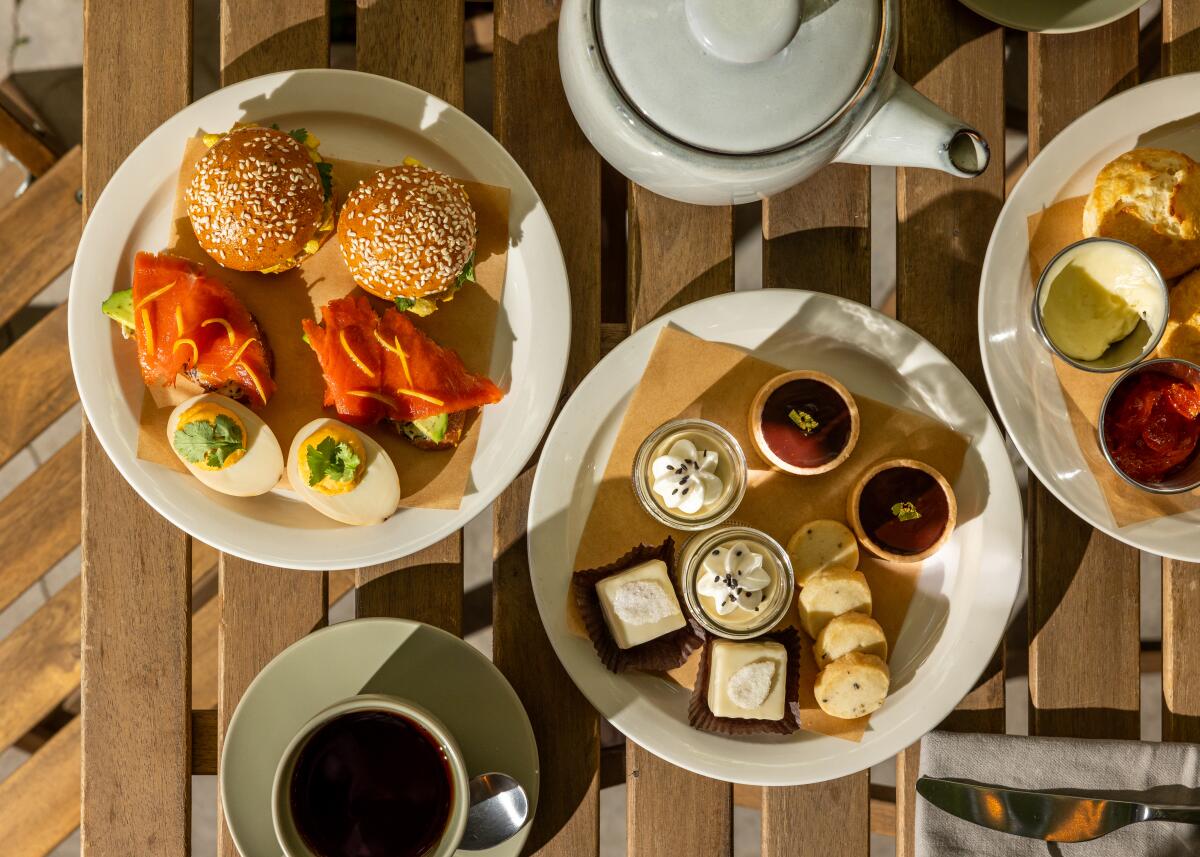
(631, 255)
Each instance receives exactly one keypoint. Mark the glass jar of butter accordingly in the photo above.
(736, 581)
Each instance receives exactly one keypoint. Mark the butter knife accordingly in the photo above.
(1049, 816)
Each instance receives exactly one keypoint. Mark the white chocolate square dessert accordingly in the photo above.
(639, 604)
(747, 681)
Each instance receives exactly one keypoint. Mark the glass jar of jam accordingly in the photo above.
(804, 422)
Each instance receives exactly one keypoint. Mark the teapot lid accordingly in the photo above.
(739, 77)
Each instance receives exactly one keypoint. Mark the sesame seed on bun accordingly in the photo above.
(407, 232)
(257, 202)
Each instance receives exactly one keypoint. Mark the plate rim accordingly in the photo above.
(1011, 583)
(518, 839)
(1009, 210)
(556, 305)
(985, 12)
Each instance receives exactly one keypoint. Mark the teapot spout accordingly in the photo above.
(909, 130)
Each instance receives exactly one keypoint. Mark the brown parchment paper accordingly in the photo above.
(717, 382)
(430, 480)
(1051, 230)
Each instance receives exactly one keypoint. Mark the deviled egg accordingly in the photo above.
(343, 473)
(225, 445)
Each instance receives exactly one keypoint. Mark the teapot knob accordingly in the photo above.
(747, 31)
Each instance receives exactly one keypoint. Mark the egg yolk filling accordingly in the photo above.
(210, 436)
(332, 460)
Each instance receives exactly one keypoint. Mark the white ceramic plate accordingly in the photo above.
(359, 117)
(1019, 370)
(965, 593)
(1053, 16)
(417, 662)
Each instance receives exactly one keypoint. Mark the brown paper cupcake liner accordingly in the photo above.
(658, 655)
(700, 716)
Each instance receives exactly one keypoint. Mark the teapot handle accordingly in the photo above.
(909, 130)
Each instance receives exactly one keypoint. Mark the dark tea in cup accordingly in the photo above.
(371, 783)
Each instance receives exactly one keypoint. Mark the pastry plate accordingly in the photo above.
(413, 661)
(1053, 16)
(965, 593)
(358, 117)
(1019, 369)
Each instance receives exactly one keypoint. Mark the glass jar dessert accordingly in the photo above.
(690, 474)
(804, 422)
(736, 581)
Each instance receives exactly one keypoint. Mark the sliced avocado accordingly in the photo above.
(433, 428)
(119, 307)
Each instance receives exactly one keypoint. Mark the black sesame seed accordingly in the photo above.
(856, 687)
(716, 552)
(685, 490)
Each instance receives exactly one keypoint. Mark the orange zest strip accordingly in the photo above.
(371, 394)
(147, 330)
(257, 384)
(156, 294)
(353, 356)
(178, 320)
(238, 354)
(421, 396)
(228, 327)
(192, 344)
(399, 352)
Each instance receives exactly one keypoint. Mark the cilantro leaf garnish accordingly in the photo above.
(905, 511)
(467, 274)
(332, 460)
(298, 134)
(803, 420)
(326, 170)
(210, 442)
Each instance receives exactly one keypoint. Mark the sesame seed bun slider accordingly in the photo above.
(408, 236)
(261, 199)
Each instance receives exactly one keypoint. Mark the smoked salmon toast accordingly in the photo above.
(387, 368)
(186, 322)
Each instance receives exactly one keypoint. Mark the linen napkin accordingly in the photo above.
(1130, 770)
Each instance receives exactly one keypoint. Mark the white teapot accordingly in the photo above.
(728, 101)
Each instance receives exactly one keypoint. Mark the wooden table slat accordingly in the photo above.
(136, 788)
(1084, 586)
(955, 58)
(820, 230)
(565, 170)
(260, 37)
(678, 253)
(39, 231)
(420, 43)
(39, 801)
(40, 664)
(1181, 580)
(36, 384)
(39, 521)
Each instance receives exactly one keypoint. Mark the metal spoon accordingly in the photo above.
(499, 808)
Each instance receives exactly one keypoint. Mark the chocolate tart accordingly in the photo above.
(663, 653)
(804, 422)
(898, 534)
(700, 716)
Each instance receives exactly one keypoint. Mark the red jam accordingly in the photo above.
(1152, 426)
(904, 510)
(806, 423)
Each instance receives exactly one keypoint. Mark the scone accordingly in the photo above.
(1183, 339)
(854, 685)
(1151, 199)
(831, 593)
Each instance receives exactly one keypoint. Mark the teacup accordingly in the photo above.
(372, 774)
